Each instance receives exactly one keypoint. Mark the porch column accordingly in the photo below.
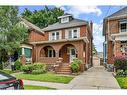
(57, 53)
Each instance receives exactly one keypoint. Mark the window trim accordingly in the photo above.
(51, 38)
(122, 22)
(52, 52)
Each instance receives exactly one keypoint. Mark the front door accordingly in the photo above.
(72, 54)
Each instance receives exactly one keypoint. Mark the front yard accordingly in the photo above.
(122, 82)
(47, 77)
(31, 87)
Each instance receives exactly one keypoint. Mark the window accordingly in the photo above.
(123, 26)
(54, 36)
(57, 35)
(65, 19)
(27, 52)
(73, 33)
(51, 53)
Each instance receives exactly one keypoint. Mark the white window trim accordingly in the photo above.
(122, 22)
(64, 19)
(50, 35)
(72, 29)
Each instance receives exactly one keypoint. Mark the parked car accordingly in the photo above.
(8, 82)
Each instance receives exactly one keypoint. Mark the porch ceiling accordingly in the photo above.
(85, 39)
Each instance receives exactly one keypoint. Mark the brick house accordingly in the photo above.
(115, 33)
(65, 40)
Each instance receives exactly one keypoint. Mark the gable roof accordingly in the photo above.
(72, 23)
(30, 25)
(120, 13)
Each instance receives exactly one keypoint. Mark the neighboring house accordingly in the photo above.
(115, 32)
(67, 39)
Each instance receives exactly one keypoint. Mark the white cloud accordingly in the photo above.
(97, 35)
(78, 10)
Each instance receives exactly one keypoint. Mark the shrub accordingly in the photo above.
(74, 67)
(76, 60)
(120, 63)
(1, 66)
(36, 68)
(27, 68)
(121, 73)
(39, 68)
(38, 71)
(17, 65)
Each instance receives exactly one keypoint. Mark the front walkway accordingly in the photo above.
(94, 78)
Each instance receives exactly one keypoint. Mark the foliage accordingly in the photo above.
(46, 77)
(18, 65)
(121, 73)
(120, 63)
(76, 60)
(43, 18)
(94, 50)
(27, 68)
(11, 34)
(36, 68)
(39, 68)
(75, 65)
(1, 66)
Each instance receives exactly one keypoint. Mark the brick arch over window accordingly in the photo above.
(47, 51)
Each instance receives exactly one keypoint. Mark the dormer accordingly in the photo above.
(65, 18)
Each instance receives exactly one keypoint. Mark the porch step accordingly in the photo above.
(64, 69)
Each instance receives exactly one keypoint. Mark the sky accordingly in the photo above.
(89, 13)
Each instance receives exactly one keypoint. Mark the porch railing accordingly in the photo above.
(48, 60)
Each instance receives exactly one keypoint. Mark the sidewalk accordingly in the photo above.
(94, 78)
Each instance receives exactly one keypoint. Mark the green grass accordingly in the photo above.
(32, 87)
(7, 71)
(47, 77)
(122, 82)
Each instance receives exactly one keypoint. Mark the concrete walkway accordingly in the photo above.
(94, 78)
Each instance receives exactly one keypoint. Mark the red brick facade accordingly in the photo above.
(83, 49)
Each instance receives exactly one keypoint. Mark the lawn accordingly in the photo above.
(7, 71)
(32, 87)
(47, 77)
(122, 82)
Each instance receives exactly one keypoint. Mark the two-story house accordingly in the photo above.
(67, 39)
(115, 33)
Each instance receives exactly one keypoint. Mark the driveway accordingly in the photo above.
(94, 78)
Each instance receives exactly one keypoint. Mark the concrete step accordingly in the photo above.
(63, 72)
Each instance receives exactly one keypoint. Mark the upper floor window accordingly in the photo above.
(123, 26)
(72, 33)
(65, 19)
(54, 36)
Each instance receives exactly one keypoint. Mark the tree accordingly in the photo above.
(44, 17)
(11, 33)
(94, 50)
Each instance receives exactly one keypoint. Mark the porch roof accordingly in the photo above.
(119, 36)
(85, 39)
